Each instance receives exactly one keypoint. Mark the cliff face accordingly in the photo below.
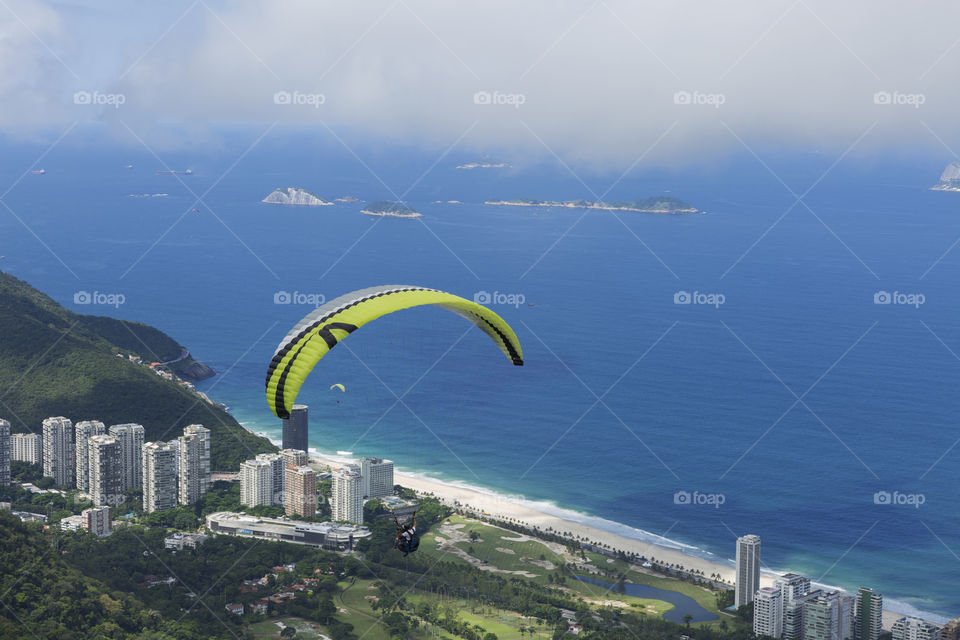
(950, 178)
(292, 195)
(196, 371)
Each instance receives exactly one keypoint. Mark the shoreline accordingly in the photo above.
(595, 529)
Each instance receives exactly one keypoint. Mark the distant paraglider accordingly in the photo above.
(322, 329)
(342, 388)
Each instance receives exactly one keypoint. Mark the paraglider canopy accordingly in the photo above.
(322, 329)
(338, 386)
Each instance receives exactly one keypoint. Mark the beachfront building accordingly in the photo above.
(867, 614)
(277, 468)
(910, 628)
(106, 470)
(159, 476)
(300, 491)
(193, 464)
(376, 477)
(828, 616)
(296, 427)
(951, 630)
(256, 483)
(4, 452)
(748, 569)
(26, 447)
(793, 589)
(82, 432)
(294, 457)
(347, 496)
(130, 437)
(58, 460)
(326, 535)
(768, 613)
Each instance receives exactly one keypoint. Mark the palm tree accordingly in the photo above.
(687, 618)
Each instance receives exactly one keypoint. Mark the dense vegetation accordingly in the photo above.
(385, 206)
(54, 362)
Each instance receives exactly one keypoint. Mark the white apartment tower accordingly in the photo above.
(768, 612)
(294, 458)
(793, 589)
(82, 432)
(58, 460)
(130, 437)
(97, 520)
(159, 476)
(193, 466)
(376, 476)
(300, 493)
(4, 452)
(909, 628)
(27, 447)
(106, 470)
(277, 468)
(748, 569)
(256, 483)
(347, 497)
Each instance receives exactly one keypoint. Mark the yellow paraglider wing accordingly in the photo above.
(323, 328)
(338, 386)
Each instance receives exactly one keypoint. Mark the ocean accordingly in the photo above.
(787, 399)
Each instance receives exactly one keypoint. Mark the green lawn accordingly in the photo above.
(505, 624)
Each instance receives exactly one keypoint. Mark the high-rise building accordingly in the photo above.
(828, 616)
(4, 452)
(256, 483)
(277, 466)
(768, 612)
(295, 428)
(347, 497)
(376, 475)
(82, 432)
(193, 468)
(130, 437)
(793, 589)
(951, 630)
(58, 460)
(106, 470)
(867, 614)
(159, 476)
(910, 628)
(294, 458)
(748, 569)
(27, 447)
(97, 520)
(300, 493)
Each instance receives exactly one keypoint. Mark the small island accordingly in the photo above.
(949, 179)
(347, 199)
(657, 204)
(390, 209)
(294, 196)
(485, 163)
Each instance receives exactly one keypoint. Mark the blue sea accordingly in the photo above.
(782, 401)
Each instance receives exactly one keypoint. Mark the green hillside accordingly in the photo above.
(54, 362)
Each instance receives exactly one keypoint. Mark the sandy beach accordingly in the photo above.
(506, 507)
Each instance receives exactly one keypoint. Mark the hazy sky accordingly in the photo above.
(604, 83)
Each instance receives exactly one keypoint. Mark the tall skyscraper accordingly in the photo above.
(828, 616)
(910, 628)
(58, 460)
(4, 452)
(256, 483)
(106, 470)
(130, 437)
(193, 468)
(27, 447)
(82, 433)
(768, 612)
(347, 497)
(300, 491)
(377, 477)
(295, 428)
(276, 464)
(867, 614)
(294, 457)
(748, 569)
(159, 476)
(793, 589)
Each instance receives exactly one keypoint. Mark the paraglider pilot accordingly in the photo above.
(407, 539)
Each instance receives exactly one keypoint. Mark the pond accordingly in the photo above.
(682, 604)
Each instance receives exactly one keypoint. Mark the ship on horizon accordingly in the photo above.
(186, 172)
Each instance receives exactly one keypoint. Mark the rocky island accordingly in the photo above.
(949, 179)
(292, 195)
(390, 209)
(658, 204)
